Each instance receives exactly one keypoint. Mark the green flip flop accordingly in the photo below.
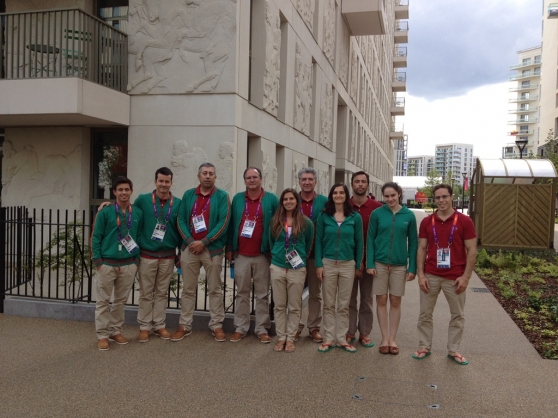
(426, 354)
(369, 344)
(347, 348)
(328, 347)
(455, 358)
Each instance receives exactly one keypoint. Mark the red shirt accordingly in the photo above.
(365, 211)
(306, 207)
(201, 207)
(251, 246)
(464, 230)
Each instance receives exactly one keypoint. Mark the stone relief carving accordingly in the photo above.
(38, 180)
(180, 49)
(303, 89)
(269, 173)
(344, 46)
(354, 132)
(329, 30)
(225, 166)
(354, 74)
(306, 9)
(296, 168)
(111, 155)
(323, 182)
(185, 165)
(360, 147)
(273, 54)
(326, 117)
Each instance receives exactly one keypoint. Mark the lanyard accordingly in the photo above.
(257, 210)
(153, 199)
(129, 224)
(287, 237)
(311, 206)
(450, 240)
(194, 214)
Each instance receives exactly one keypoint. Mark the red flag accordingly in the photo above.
(466, 184)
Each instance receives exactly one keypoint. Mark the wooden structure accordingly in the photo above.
(513, 203)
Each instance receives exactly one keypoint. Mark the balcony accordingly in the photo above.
(396, 132)
(521, 87)
(402, 9)
(62, 67)
(401, 34)
(553, 10)
(526, 76)
(399, 82)
(523, 121)
(522, 132)
(398, 106)
(365, 17)
(400, 57)
(525, 65)
(520, 110)
(529, 98)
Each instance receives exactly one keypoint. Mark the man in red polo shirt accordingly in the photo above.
(361, 315)
(203, 219)
(446, 257)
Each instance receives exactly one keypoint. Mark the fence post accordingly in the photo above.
(3, 255)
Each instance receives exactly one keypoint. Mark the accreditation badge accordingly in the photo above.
(248, 229)
(159, 233)
(443, 258)
(294, 259)
(199, 224)
(129, 244)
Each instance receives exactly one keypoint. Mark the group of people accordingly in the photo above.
(346, 248)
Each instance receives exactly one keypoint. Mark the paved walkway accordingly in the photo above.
(52, 368)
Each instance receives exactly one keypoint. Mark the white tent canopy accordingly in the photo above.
(526, 168)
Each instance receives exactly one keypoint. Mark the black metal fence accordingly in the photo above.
(47, 255)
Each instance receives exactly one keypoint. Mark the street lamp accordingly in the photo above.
(464, 174)
(521, 144)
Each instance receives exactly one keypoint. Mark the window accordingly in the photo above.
(114, 13)
(526, 61)
(525, 83)
(110, 160)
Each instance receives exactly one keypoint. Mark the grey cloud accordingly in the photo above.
(455, 46)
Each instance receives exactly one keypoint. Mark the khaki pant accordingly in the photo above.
(154, 279)
(246, 268)
(361, 316)
(456, 304)
(109, 320)
(314, 298)
(287, 288)
(337, 287)
(191, 264)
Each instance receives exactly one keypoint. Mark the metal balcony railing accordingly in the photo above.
(526, 75)
(400, 77)
(400, 51)
(397, 127)
(398, 102)
(63, 43)
(401, 25)
(401, 2)
(524, 98)
(529, 86)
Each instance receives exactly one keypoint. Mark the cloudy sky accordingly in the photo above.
(459, 53)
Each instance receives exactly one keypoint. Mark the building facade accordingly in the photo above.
(277, 84)
(525, 114)
(549, 87)
(452, 160)
(400, 154)
(420, 165)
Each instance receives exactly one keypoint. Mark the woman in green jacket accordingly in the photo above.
(339, 251)
(290, 241)
(391, 254)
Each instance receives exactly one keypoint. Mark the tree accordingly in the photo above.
(432, 179)
(550, 148)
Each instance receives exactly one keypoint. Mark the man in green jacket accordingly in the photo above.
(312, 205)
(158, 242)
(248, 246)
(202, 221)
(116, 257)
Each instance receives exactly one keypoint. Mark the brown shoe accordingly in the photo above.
(103, 344)
(143, 336)
(384, 349)
(236, 337)
(180, 333)
(297, 336)
(264, 338)
(219, 334)
(163, 333)
(118, 339)
(316, 336)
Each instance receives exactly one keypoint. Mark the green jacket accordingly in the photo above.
(219, 215)
(172, 239)
(104, 241)
(318, 207)
(303, 245)
(339, 243)
(269, 206)
(392, 239)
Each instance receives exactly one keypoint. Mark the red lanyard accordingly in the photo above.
(453, 227)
